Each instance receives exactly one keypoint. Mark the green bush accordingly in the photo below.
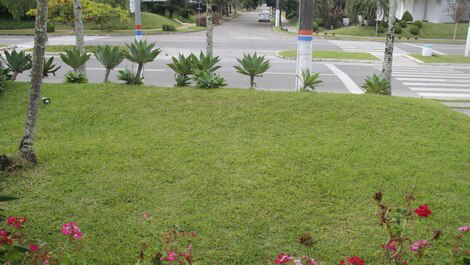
(75, 77)
(319, 21)
(13, 24)
(381, 29)
(168, 27)
(309, 80)
(414, 30)
(398, 29)
(384, 24)
(407, 17)
(291, 15)
(207, 79)
(402, 23)
(50, 27)
(129, 77)
(377, 85)
(418, 23)
(315, 27)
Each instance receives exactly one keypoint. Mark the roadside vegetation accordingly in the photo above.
(319, 54)
(248, 171)
(458, 59)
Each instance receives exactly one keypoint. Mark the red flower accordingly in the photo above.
(392, 246)
(283, 258)
(33, 248)
(423, 211)
(355, 260)
(341, 262)
(16, 222)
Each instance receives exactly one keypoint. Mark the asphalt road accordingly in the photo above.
(246, 35)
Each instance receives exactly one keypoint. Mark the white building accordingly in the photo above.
(430, 10)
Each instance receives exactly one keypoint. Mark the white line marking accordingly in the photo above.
(347, 81)
(424, 71)
(417, 46)
(436, 84)
(435, 89)
(433, 80)
(293, 74)
(444, 95)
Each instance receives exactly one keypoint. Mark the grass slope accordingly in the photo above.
(248, 170)
(155, 21)
(429, 30)
(443, 59)
(319, 54)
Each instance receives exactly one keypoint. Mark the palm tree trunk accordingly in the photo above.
(26, 145)
(14, 76)
(78, 29)
(139, 72)
(455, 30)
(388, 55)
(252, 82)
(106, 75)
(209, 47)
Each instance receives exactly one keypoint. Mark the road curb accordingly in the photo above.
(332, 60)
(107, 35)
(434, 64)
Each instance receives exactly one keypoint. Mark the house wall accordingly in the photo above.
(435, 10)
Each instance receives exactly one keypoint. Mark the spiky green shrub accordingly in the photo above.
(129, 77)
(4, 77)
(75, 77)
(141, 52)
(204, 62)
(50, 67)
(182, 68)
(207, 79)
(109, 57)
(252, 66)
(18, 62)
(309, 80)
(377, 85)
(74, 58)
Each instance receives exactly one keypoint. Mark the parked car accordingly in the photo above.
(264, 16)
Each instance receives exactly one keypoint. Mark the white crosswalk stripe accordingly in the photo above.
(435, 82)
(364, 46)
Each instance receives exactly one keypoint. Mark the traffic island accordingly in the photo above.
(324, 55)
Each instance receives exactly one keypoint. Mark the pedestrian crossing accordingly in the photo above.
(365, 46)
(435, 82)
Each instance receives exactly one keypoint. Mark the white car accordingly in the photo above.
(264, 16)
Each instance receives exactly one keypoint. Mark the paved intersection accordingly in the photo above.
(246, 35)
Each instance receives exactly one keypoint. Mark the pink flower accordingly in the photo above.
(419, 244)
(313, 262)
(72, 229)
(33, 248)
(464, 228)
(283, 258)
(355, 260)
(145, 216)
(3, 233)
(17, 222)
(298, 262)
(170, 256)
(392, 245)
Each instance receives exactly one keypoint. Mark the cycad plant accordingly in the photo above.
(207, 79)
(50, 67)
(109, 57)
(204, 62)
(141, 52)
(309, 80)
(18, 62)
(182, 68)
(377, 85)
(74, 58)
(252, 66)
(127, 75)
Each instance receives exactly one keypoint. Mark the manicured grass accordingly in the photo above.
(429, 30)
(62, 48)
(319, 54)
(154, 21)
(443, 59)
(249, 171)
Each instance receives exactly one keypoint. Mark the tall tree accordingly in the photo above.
(388, 55)
(40, 36)
(457, 9)
(78, 29)
(209, 45)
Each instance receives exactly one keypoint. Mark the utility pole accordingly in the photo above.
(304, 40)
(278, 15)
(138, 21)
(209, 48)
(467, 47)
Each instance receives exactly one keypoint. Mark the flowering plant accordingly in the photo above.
(284, 258)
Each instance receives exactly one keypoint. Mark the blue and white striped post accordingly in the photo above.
(138, 21)
(304, 40)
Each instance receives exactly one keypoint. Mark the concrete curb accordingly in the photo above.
(332, 60)
(434, 64)
(109, 35)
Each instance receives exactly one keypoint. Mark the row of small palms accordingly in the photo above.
(19, 62)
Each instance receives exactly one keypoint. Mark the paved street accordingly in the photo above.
(246, 35)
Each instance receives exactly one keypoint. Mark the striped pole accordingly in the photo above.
(467, 46)
(138, 21)
(304, 40)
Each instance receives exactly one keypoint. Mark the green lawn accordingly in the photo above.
(319, 54)
(429, 30)
(62, 48)
(443, 59)
(249, 171)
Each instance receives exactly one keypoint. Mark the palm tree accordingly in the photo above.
(253, 66)
(26, 145)
(140, 52)
(388, 54)
(209, 46)
(109, 57)
(78, 29)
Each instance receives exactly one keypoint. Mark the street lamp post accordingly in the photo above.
(304, 40)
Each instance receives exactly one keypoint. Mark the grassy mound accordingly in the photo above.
(248, 170)
(155, 21)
